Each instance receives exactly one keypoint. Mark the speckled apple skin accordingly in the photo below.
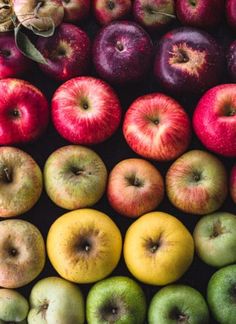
(233, 183)
(231, 13)
(231, 61)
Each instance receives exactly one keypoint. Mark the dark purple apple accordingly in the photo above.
(188, 60)
(200, 13)
(231, 61)
(231, 13)
(122, 52)
(67, 53)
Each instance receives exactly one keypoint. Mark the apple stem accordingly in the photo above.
(7, 175)
(38, 7)
(153, 11)
(5, 53)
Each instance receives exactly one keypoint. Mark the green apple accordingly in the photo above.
(75, 177)
(175, 304)
(13, 307)
(54, 300)
(221, 295)
(215, 239)
(118, 300)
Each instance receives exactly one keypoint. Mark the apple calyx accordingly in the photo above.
(43, 309)
(178, 316)
(110, 5)
(134, 181)
(119, 46)
(84, 246)
(13, 252)
(196, 176)
(153, 246)
(112, 311)
(217, 230)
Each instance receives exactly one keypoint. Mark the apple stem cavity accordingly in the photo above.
(182, 57)
(13, 252)
(111, 5)
(7, 175)
(192, 3)
(119, 46)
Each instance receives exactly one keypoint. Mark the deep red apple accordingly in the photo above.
(231, 61)
(231, 13)
(67, 53)
(233, 183)
(122, 52)
(188, 60)
(75, 10)
(106, 11)
(200, 13)
(23, 112)
(214, 119)
(85, 110)
(12, 62)
(157, 127)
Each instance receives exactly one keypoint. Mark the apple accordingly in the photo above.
(84, 245)
(66, 52)
(85, 110)
(39, 15)
(233, 183)
(74, 177)
(231, 13)
(116, 300)
(158, 249)
(20, 182)
(135, 187)
(122, 52)
(24, 112)
(215, 115)
(12, 62)
(215, 239)
(178, 304)
(55, 300)
(6, 16)
(154, 14)
(221, 295)
(75, 10)
(231, 61)
(200, 13)
(106, 11)
(13, 307)
(196, 183)
(22, 253)
(157, 127)
(188, 60)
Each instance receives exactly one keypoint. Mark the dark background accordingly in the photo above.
(114, 150)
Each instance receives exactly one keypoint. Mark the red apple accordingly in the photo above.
(23, 112)
(157, 127)
(200, 13)
(196, 183)
(231, 13)
(12, 62)
(135, 187)
(85, 110)
(106, 11)
(75, 10)
(67, 52)
(231, 61)
(233, 183)
(214, 120)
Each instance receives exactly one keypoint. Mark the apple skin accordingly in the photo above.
(135, 187)
(188, 60)
(157, 127)
(107, 11)
(215, 115)
(55, 300)
(233, 183)
(178, 304)
(85, 110)
(231, 61)
(221, 295)
(24, 112)
(116, 300)
(145, 12)
(231, 13)
(196, 183)
(122, 52)
(200, 13)
(22, 253)
(215, 239)
(75, 10)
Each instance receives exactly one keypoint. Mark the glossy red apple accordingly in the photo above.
(85, 110)
(231, 61)
(188, 60)
(154, 14)
(231, 13)
(122, 52)
(157, 127)
(106, 11)
(23, 112)
(75, 10)
(233, 183)
(214, 120)
(200, 13)
(135, 187)
(67, 53)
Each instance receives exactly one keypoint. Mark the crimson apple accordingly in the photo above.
(233, 183)
(231, 61)
(106, 11)
(75, 10)
(214, 120)
(135, 187)
(188, 60)
(157, 127)
(231, 13)
(67, 52)
(85, 110)
(23, 112)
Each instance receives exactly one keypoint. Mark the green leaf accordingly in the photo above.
(43, 21)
